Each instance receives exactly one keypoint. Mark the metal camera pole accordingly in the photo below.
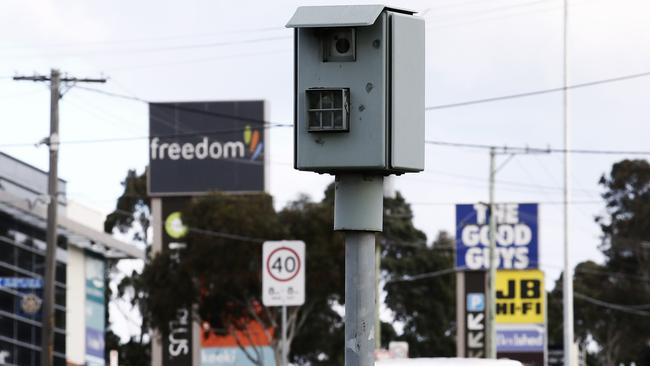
(358, 211)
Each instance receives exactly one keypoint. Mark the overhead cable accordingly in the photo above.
(537, 92)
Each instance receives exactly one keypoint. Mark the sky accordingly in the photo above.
(196, 50)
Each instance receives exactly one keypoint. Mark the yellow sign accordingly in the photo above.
(520, 296)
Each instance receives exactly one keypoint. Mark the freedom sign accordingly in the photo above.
(201, 147)
(516, 236)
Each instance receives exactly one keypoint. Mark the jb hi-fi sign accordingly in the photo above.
(195, 148)
(520, 297)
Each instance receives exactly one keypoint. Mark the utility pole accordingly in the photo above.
(494, 262)
(47, 336)
(567, 280)
(492, 303)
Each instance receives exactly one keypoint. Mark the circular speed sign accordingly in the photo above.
(283, 264)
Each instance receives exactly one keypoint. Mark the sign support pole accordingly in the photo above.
(284, 336)
(283, 283)
(492, 276)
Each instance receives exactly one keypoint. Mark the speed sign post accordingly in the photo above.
(283, 279)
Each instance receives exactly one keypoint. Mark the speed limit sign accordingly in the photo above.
(283, 273)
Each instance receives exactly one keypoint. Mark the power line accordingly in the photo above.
(174, 48)
(136, 40)
(268, 124)
(421, 276)
(489, 10)
(199, 60)
(537, 92)
(514, 149)
(218, 234)
(600, 272)
(273, 125)
(442, 203)
(507, 15)
(180, 107)
(505, 182)
(609, 305)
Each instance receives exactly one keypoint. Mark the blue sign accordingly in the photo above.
(475, 302)
(520, 340)
(21, 282)
(516, 236)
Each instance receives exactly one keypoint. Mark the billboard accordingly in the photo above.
(517, 236)
(199, 147)
(520, 297)
(177, 342)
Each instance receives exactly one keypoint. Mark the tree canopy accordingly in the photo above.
(219, 272)
(424, 304)
(612, 300)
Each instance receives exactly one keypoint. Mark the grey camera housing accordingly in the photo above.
(371, 57)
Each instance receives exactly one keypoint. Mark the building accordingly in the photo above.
(83, 249)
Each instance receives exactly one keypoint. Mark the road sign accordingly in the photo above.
(283, 273)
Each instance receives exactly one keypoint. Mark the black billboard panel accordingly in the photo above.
(476, 314)
(177, 341)
(200, 147)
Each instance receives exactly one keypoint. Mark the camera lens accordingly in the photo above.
(342, 45)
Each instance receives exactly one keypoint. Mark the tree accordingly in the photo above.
(321, 342)
(219, 272)
(625, 244)
(611, 299)
(222, 264)
(132, 215)
(424, 304)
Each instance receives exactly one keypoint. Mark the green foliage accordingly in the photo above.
(226, 272)
(132, 211)
(131, 353)
(425, 306)
(220, 271)
(624, 278)
(320, 341)
(132, 214)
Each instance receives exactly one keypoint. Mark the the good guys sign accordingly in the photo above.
(517, 236)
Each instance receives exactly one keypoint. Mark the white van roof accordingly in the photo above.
(446, 362)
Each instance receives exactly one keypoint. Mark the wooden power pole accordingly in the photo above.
(55, 79)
